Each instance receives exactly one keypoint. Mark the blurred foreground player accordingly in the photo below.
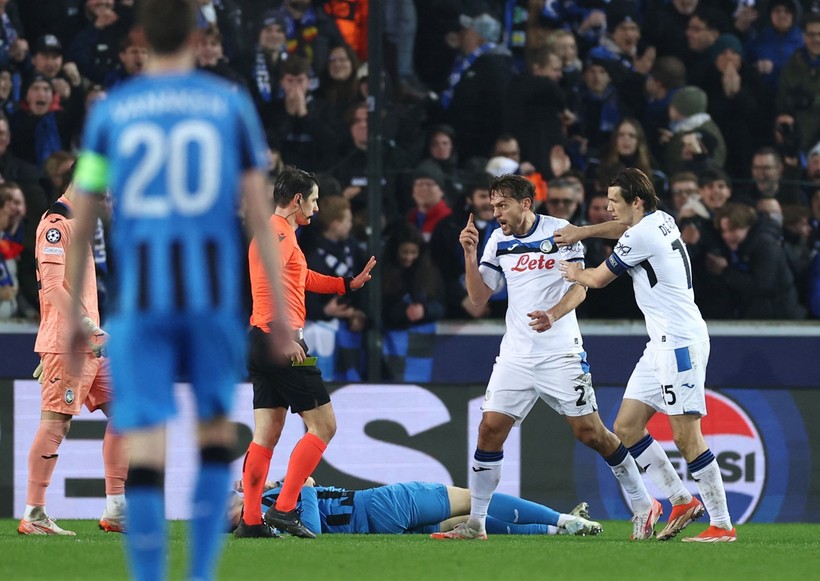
(175, 147)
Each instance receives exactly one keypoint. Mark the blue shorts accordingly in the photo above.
(150, 352)
(409, 507)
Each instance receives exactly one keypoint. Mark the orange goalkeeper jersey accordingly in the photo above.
(296, 279)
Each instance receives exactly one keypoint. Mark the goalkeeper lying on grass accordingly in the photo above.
(417, 507)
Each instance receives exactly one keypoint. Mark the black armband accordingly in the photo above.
(348, 280)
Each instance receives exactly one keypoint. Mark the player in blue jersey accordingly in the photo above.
(175, 147)
(670, 377)
(417, 507)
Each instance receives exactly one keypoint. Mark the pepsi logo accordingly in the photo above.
(735, 441)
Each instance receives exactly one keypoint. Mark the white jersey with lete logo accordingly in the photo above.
(530, 265)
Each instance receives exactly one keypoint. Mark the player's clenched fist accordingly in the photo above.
(469, 237)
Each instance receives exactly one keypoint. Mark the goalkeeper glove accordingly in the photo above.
(38, 372)
(97, 338)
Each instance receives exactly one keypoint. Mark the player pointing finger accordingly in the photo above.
(469, 236)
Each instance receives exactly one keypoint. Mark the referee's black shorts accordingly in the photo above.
(282, 386)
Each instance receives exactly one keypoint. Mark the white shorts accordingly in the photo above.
(562, 381)
(671, 381)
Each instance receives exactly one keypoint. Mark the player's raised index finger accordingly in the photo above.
(470, 219)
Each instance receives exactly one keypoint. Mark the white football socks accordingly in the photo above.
(657, 466)
(484, 479)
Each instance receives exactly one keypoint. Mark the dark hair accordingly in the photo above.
(669, 71)
(294, 65)
(809, 18)
(642, 157)
(331, 209)
(512, 186)
(292, 181)
(167, 23)
(634, 184)
(135, 37)
(711, 175)
(540, 55)
(768, 150)
(345, 91)
(739, 215)
(713, 18)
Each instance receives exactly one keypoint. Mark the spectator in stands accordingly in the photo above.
(507, 146)
(617, 299)
(620, 44)
(309, 31)
(400, 33)
(39, 130)
(95, 47)
(12, 234)
(430, 207)
(58, 168)
(767, 176)
(563, 202)
(668, 74)
(210, 56)
(334, 253)
(753, 266)
(298, 129)
(349, 167)
(682, 187)
(814, 219)
(598, 109)
(13, 45)
(47, 61)
(475, 93)
(412, 291)
(260, 68)
(628, 147)
(797, 244)
(694, 141)
(814, 287)
(8, 104)
(702, 238)
(37, 191)
(536, 110)
(563, 43)
(338, 85)
(8, 288)
(448, 255)
(665, 26)
(800, 83)
(441, 156)
(226, 16)
(705, 26)
(739, 103)
(779, 38)
(787, 137)
(132, 56)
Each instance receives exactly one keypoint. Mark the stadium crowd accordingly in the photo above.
(719, 102)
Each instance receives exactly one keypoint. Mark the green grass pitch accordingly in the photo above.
(763, 551)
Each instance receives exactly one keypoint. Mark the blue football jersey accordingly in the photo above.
(174, 148)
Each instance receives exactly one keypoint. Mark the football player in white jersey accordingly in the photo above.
(542, 354)
(671, 374)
